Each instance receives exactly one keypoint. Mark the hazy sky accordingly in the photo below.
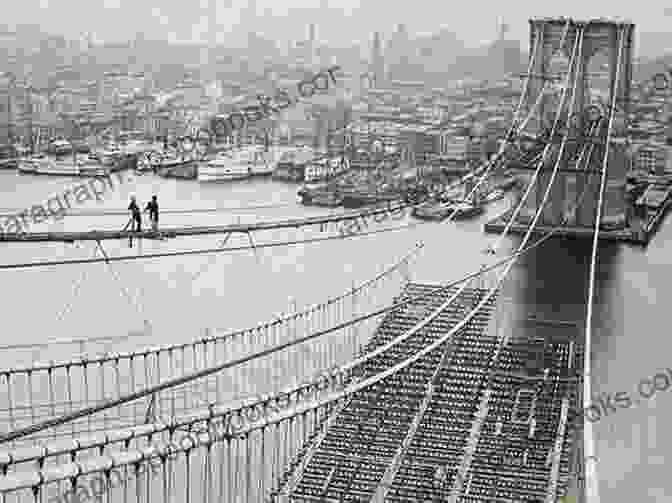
(473, 22)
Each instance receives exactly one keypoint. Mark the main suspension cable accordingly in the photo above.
(578, 44)
(590, 460)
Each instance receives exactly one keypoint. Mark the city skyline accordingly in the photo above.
(119, 20)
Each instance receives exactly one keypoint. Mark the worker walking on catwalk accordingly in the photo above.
(136, 218)
(153, 209)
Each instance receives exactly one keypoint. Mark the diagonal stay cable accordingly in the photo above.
(76, 289)
(210, 261)
(131, 300)
(203, 251)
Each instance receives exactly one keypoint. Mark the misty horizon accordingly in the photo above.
(116, 21)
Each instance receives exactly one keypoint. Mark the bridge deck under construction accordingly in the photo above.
(492, 414)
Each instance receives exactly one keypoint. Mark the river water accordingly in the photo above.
(242, 288)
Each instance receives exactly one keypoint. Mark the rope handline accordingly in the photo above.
(131, 299)
(254, 248)
(75, 291)
(193, 230)
(207, 250)
(205, 266)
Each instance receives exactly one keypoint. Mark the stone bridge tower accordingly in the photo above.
(575, 191)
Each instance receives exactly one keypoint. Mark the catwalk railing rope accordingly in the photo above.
(51, 388)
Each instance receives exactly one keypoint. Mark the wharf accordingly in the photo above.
(498, 224)
(645, 214)
(467, 408)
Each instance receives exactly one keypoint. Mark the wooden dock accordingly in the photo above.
(498, 225)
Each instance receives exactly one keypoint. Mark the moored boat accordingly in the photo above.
(359, 199)
(60, 147)
(466, 210)
(91, 166)
(175, 166)
(325, 169)
(261, 161)
(9, 157)
(321, 197)
(328, 199)
(441, 211)
(28, 165)
(508, 183)
(292, 165)
(226, 166)
(495, 195)
(432, 210)
(57, 167)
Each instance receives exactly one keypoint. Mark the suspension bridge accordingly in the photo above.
(430, 397)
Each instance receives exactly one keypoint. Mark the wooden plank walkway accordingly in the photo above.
(164, 233)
